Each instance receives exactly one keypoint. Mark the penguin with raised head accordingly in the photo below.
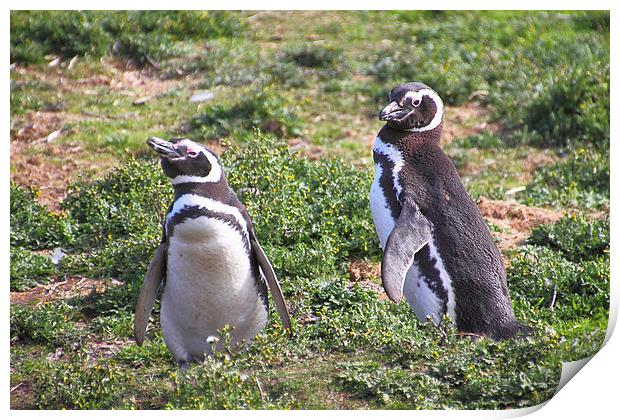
(437, 250)
(209, 262)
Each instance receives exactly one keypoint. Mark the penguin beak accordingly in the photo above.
(163, 147)
(393, 112)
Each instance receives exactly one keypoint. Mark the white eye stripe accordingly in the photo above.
(438, 104)
(193, 147)
(216, 169)
(415, 96)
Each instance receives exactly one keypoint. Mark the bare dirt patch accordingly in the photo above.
(50, 167)
(360, 271)
(518, 215)
(36, 170)
(534, 161)
(22, 396)
(516, 220)
(367, 274)
(75, 286)
(40, 126)
(105, 349)
(113, 75)
(36, 158)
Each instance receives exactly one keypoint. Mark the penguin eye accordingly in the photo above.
(416, 102)
(192, 154)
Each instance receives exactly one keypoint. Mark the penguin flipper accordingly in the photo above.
(272, 281)
(148, 292)
(411, 233)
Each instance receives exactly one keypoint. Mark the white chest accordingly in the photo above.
(381, 213)
(388, 164)
(209, 284)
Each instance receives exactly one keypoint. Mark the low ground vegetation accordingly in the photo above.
(293, 116)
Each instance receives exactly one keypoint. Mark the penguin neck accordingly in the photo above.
(408, 142)
(215, 190)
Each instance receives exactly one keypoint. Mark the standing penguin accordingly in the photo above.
(209, 257)
(438, 251)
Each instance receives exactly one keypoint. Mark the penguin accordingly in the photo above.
(437, 249)
(208, 263)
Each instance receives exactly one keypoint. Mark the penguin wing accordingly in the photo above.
(272, 281)
(411, 233)
(148, 292)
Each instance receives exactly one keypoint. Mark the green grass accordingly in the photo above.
(29, 269)
(32, 224)
(137, 35)
(263, 110)
(315, 80)
(312, 218)
(581, 180)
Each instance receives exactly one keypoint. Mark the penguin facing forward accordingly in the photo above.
(437, 249)
(209, 262)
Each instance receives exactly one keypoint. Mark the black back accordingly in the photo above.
(470, 256)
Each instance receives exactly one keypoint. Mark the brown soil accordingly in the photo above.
(367, 274)
(515, 220)
(114, 75)
(39, 161)
(22, 396)
(35, 169)
(103, 349)
(360, 271)
(534, 161)
(62, 289)
(520, 217)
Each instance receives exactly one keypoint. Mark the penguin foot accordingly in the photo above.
(183, 365)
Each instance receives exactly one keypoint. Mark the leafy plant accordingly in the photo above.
(575, 236)
(127, 201)
(315, 56)
(75, 385)
(541, 278)
(372, 380)
(482, 141)
(139, 35)
(50, 324)
(29, 269)
(217, 384)
(261, 109)
(580, 180)
(33, 225)
(66, 33)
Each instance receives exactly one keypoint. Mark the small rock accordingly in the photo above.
(141, 101)
(72, 63)
(53, 135)
(202, 97)
(515, 190)
(54, 63)
(57, 255)
(56, 355)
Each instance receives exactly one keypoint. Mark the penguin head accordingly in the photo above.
(413, 107)
(184, 160)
